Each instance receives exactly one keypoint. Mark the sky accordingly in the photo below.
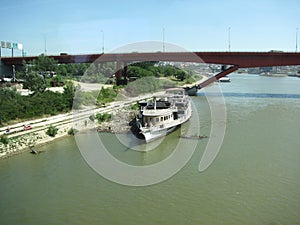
(81, 27)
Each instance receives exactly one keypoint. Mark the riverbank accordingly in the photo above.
(31, 141)
(22, 141)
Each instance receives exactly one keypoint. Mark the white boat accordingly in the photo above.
(224, 79)
(163, 114)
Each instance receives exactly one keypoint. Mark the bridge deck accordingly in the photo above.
(240, 59)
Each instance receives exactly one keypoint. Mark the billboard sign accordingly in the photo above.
(20, 46)
(10, 45)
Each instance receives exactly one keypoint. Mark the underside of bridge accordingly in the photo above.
(235, 60)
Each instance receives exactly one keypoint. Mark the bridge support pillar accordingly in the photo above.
(121, 73)
(118, 72)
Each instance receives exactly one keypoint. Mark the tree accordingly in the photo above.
(34, 82)
(34, 74)
(69, 94)
(44, 64)
(181, 75)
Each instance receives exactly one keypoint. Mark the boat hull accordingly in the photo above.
(191, 91)
(152, 135)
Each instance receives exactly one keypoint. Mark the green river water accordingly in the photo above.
(255, 178)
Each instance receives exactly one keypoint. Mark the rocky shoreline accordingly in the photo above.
(120, 122)
(31, 141)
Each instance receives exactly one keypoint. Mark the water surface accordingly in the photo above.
(254, 179)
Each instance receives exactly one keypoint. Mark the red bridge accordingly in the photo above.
(234, 59)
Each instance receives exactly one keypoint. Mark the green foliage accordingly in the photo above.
(36, 72)
(189, 80)
(147, 69)
(72, 131)
(84, 98)
(107, 95)
(103, 117)
(4, 139)
(143, 85)
(57, 81)
(71, 70)
(181, 75)
(135, 71)
(43, 64)
(135, 106)
(52, 131)
(34, 82)
(14, 106)
(92, 117)
(69, 94)
(98, 72)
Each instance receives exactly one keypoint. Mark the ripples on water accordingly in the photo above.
(254, 180)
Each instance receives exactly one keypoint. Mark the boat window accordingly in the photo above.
(161, 118)
(157, 119)
(166, 118)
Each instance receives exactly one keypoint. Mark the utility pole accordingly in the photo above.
(45, 44)
(296, 39)
(102, 41)
(163, 44)
(229, 46)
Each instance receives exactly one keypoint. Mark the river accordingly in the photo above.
(255, 178)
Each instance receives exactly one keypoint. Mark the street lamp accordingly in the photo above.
(296, 39)
(229, 28)
(164, 47)
(102, 41)
(45, 43)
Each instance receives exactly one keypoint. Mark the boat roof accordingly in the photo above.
(157, 112)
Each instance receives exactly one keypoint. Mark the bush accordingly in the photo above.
(135, 106)
(4, 139)
(92, 117)
(52, 131)
(72, 131)
(143, 85)
(103, 117)
(107, 95)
